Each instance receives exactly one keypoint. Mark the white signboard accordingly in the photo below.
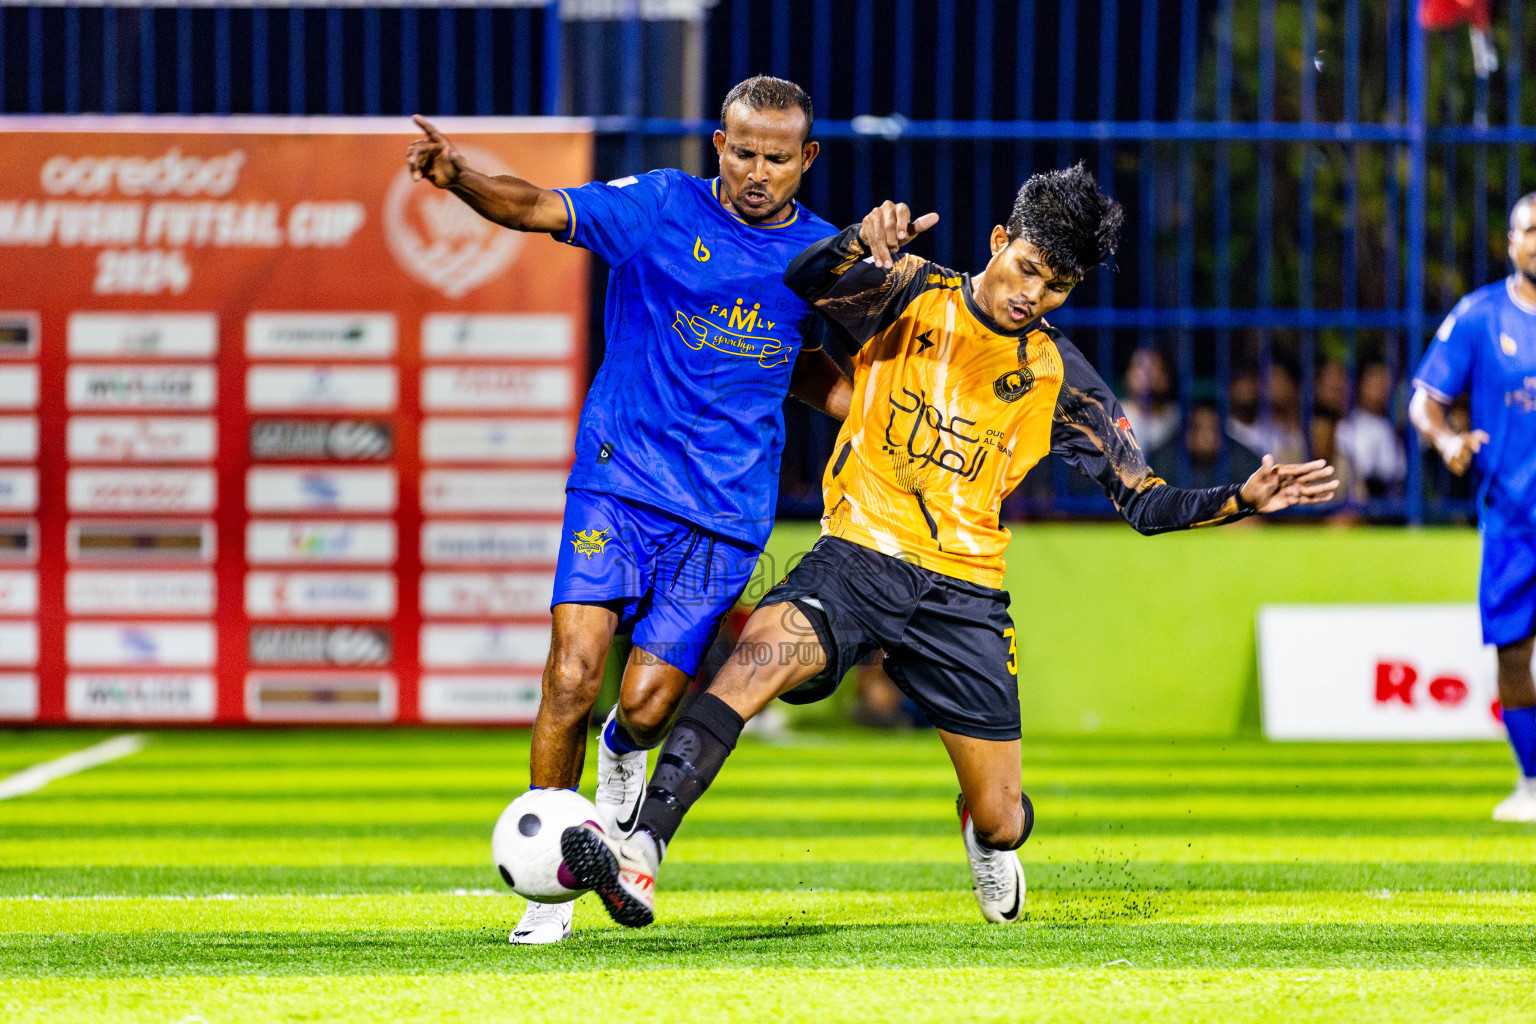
(1376, 672)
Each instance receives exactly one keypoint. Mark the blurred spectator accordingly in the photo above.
(1325, 445)
(1330, 391)
(1204, 441)
(1367, 438)
(1149, 403)
(1280, 434)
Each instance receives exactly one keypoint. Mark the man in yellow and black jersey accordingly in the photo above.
(960, 387)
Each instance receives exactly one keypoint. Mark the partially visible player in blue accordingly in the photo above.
(676, 475)
(1488, 346)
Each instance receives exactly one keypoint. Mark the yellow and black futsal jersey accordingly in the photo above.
(950, 411)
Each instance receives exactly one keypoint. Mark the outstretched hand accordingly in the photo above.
(1274, 487)
(434, 157)
(888, 227)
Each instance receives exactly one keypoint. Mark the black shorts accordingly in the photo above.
(949, 644)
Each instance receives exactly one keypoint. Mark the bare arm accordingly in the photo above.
(502, 199)
(1427, 413)
(821, 385)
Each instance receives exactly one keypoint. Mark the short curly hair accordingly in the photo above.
(1065, 216)
(764, 92)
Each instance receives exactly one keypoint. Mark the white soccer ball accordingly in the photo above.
(526, 843)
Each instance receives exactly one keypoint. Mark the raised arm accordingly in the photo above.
(502, 198)
(855, 279)
(1090, 431)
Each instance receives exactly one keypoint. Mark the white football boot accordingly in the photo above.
(621, 871)
(620, 784)
(997, 876)
(544, 923)
(1519, 805)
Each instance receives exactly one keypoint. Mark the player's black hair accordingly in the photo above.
(1064, 215)
(763, 92)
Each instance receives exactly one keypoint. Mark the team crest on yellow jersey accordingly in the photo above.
(1014, 384)
(590, 542)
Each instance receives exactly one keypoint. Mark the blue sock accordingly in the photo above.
(619, 740)
(1520, 723)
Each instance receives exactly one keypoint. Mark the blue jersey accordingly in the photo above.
(1488, 345)
(685, 413)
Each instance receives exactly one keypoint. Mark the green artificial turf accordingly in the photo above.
(345, 875)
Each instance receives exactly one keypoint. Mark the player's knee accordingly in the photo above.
(646, 715)
(571, 683)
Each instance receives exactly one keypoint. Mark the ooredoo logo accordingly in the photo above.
(439, 240)
(169, 174)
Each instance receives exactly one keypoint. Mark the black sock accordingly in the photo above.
(700, 742)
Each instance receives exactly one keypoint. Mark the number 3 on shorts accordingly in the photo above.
(1013, 651)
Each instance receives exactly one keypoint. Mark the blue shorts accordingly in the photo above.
(673, 581)
(1506, 595)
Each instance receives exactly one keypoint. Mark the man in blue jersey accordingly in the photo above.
(1488, 346)
(672, 493)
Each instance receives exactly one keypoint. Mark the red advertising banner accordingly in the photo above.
(283, 433)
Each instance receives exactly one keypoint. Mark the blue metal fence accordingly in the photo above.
(1305, 187)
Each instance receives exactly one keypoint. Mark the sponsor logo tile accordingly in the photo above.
(470, 543)
(482, 490)
(18, 696)
(18, 387)
(320, 697)
(506, 439)
(18, 438)
(320, 335)
(18, 334)
(322, 388)
(136, 387)
(18, 490)
(18, 592)
(506, 388)
(285, 541)
(18, 644)
(143, 541)
(508, 699)
(357, 440)
(497, 336)
(343, 646)
(304, 595)
(141, 490)
(146, 335)
(142, 438)
(445, 645)
(486, 594)
(320, 490)
(139, 592)
(123, 696)
(143, 644)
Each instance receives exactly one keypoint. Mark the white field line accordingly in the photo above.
(29, 780)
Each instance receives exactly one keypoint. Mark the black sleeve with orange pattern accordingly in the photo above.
(1091, 432)
(863, 299)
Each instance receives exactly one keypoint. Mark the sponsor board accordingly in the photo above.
(146, 644)
(18, 387)
(18, 438)
(147, 335)
(18, 490)
(342, 440)
(497, 336)
(284, 541)
(506, 388)
(455, 645)
(320, 490)
(18, 644)
(1376, 672)
(138, 592)
(322, 388)
(170, 541)
(455, 439)
(320, 697)
(319, 335)
(18, 541)
(158, 696)
(18, 696)
(141, 490)
(18, 335)
(486, 594)
(139, 387)
(505, 490)
(346, 646)
(18, 592)
(142, 438)
(304, 595)
(508, 699)
(460, 543)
